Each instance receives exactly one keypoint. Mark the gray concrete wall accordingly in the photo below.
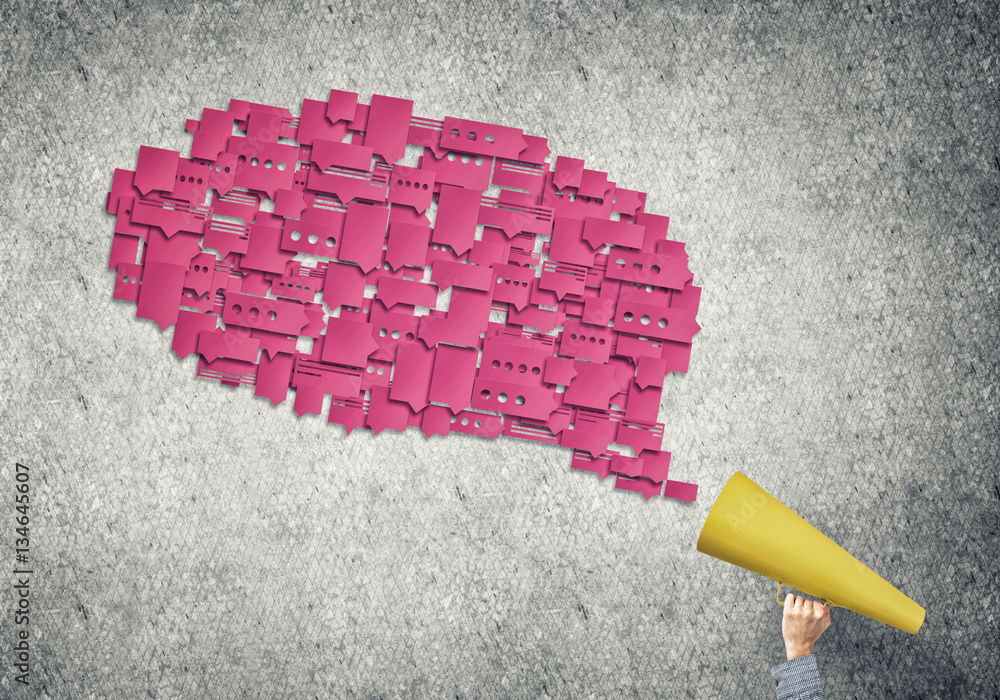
(834, 171)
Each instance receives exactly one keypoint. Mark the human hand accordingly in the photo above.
(802, 624)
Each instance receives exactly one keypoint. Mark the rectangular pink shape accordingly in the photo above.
(512, 284)
(593, 387)
(313, 124)
(407, 292)
(513, 363)
(600, 232)
(189, 325)
(513, 399)
(568, 244)
(348, 342)
(453, 376)
(600, 465)
(229, 372)
(562, 278)
(524, 176)
(436, 329)
(252, 169)
(446, 273)
(332, 379)
(273, 377)
(289, 316)
(388, 126)
(407, 244)
(644, 486)
(160, 292)
(594, 443)
(681, 490)
(344, 285)
(127, 277)
(481, 138)
(216, 343)
(124, 249)
(480, 424)
(655, 322)
(412, 187)
(455, 169)
(170, 216)
(640, 435)
(534, 317)
(648, 268)
(364, 235)
(585, 341)
(513, 218)
(411, 378)
(655, 464)
(349, 184)
(326, 154)
(314, 238)
(527, 430)
(349, 412)
(385, 413)
(643, 404)
(264, 251)
(457, 215)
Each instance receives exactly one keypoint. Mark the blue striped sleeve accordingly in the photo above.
(798, 679)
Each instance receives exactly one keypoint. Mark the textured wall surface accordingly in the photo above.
(835, 173)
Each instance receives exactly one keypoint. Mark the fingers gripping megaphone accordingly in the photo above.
(752, 529)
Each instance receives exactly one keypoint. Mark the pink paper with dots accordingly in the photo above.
(367, 272)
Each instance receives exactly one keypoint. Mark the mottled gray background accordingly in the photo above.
(835, 173)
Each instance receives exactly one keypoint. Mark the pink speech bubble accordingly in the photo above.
(549, 309)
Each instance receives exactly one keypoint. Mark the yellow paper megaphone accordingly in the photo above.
(749, 527)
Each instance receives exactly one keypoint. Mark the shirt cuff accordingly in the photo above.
(798, 679)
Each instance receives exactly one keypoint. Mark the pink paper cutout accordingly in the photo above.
(681, 490)
(609, 325)
(407, 244)
(484, 139)
(160, 293)
(401, 291)
(457, 215)
(349, 412)
(364, 235)
(341, 106)
(568, 172)
(599, 232)
(459, 170)
(348, 342)
(655, 322)
(656, 464)
(327, 154)
(273, 377)
(343, 284)
(411, 187)
(388, 126)
(475, 423)
(453, 376)
(127, 278)
(156, 169)
(593, 386)
(412, 375)
(644, 486)
(445, 274)
(216, 343)
(648, 268)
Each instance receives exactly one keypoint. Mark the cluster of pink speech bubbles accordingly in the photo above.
(436, 274)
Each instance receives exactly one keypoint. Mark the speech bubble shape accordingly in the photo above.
(550, 312)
